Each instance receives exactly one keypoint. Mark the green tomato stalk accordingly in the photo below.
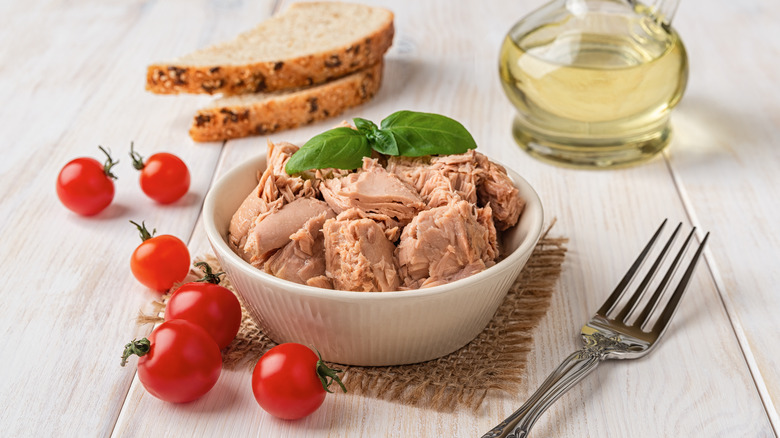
(138, 347)
(209, 276)
(328, 375)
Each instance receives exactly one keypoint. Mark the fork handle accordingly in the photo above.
(573, 369)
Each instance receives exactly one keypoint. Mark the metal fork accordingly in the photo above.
(610, 337)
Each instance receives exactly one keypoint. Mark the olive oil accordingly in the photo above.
(588, 95)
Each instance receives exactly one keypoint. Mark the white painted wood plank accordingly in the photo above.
(72, 79)
(727, 161)
(695, 384)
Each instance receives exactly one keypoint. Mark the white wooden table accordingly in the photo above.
(72, 77)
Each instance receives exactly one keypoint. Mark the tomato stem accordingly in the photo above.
(138, 347)
(208, 275)
(145, 235)
(328, 375)
(138, 160)
(108, 164)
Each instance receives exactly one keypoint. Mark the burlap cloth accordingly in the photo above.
(495, 361)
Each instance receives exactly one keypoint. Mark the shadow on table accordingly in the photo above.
(113, 211)
(707, 131)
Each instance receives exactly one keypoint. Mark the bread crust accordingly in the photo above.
(286, 111)
(260, 77)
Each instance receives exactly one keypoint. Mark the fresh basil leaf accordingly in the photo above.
(381, 141)
(340, 148)
(367, 127)
(407, 133)
(384, 143)
(417, 134)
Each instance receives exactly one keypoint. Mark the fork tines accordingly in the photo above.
(624, 314)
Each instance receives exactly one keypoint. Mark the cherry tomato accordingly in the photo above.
(85, 186)
(178, 363)
(290, 381)
(164, 177)
(159, 262)
(207, 304)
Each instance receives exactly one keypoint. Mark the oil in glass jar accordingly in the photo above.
(594, 88)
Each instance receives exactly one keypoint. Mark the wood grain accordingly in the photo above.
(727, 163)
(69, 300)
(73, 79)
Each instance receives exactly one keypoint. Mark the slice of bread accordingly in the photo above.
(263, 113)
(307, 44)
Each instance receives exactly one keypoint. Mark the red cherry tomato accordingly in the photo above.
(290, 381)
(209, 305)
(178, 363)
(161, 261)
(85, 186)
(164, 177)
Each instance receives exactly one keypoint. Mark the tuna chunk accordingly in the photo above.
(437, 189)
(433, 186)
(373, 190)
(444, 244)
(462, 171)
(497, 191)
(302, 260)
(320, 281)
(274, 189)
(358, 256)
(244, 218)
(272, 230)
(472, 177)
(428, 174)
(390, 226)
(485, 218)
(409, 169)
(275, 181)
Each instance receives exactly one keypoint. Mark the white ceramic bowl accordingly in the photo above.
(359, 328)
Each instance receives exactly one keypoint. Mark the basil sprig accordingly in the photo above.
(406, 133)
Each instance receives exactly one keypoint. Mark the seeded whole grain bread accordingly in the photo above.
(307, 44)
(262, 113)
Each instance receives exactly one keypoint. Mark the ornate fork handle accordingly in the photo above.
(607, 338)
(573, 369)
